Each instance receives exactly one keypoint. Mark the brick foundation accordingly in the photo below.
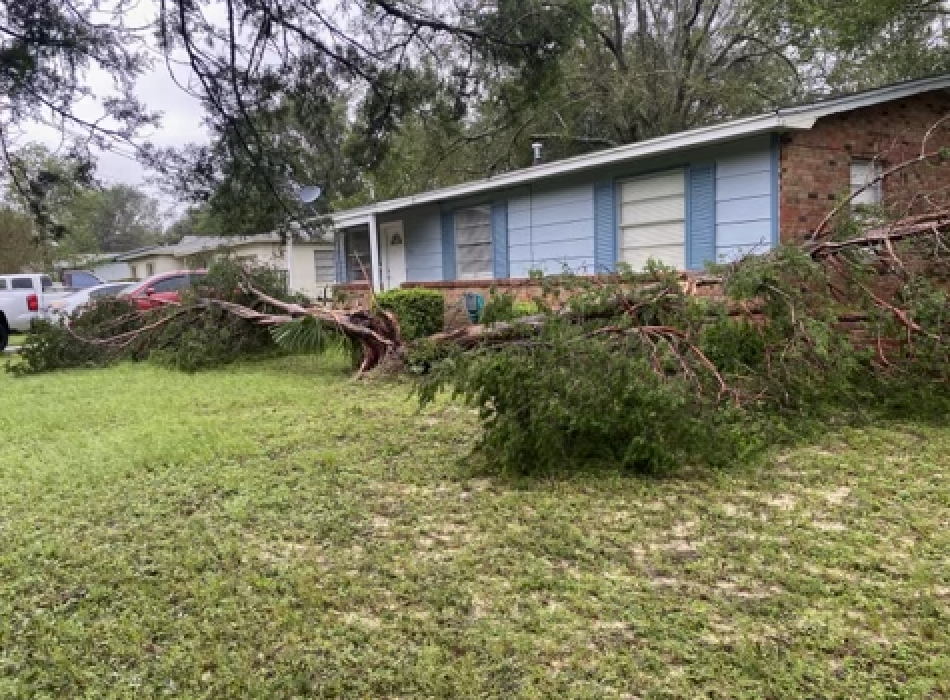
(815, 164)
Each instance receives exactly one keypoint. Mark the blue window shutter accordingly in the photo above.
(499, 239)
(605, 227)
(701, 216)
(448, 245)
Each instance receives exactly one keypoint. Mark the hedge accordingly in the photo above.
(421, 312)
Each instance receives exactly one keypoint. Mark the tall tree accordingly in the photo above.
(623, 71)
(196, 220)
(855, 44)
(43, 184)
(48, 49)
(114, 218)
(423, 92)
(19, 247)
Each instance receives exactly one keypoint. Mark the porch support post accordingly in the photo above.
(374, 254)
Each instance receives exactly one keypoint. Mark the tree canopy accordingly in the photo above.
(381, 98)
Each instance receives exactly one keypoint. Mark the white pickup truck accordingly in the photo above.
(24, 298)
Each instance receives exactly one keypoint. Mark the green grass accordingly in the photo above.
(16, 339)
(279, 530)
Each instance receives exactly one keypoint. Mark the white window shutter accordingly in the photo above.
(653, 220)
(324, 262)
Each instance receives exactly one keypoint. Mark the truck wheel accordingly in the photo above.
(4, 336)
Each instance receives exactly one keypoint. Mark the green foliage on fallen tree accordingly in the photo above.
(188, 337)
(504, 306)
(638, 371)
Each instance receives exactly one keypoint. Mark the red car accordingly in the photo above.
(162, 289)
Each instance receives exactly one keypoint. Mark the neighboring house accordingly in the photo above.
(312, 270)
(709, 194)
(105, 266)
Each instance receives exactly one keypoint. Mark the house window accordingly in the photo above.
(653, 220)
(133, 270)
(324, 264)
(473, 248)
(863, 172)
(358, 263)
(149, 269)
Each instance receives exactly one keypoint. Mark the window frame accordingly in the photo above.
(873, 169)
(352, 269)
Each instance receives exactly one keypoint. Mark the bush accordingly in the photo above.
(420, 312)
(503, 306)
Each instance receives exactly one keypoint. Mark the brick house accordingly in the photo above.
(709, 194)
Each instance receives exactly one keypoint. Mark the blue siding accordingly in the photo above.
(732, 199)
(736, 211)
(448, 245)
(550, 228)
(701, 216)
(423, 229)
(499, 238)
(605, 227)
(745, 200)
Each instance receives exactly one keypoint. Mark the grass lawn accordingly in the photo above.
(16, 339)
(278, 530)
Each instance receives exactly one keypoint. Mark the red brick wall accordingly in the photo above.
(815, 164)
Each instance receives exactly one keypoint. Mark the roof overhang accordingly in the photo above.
(139, 254)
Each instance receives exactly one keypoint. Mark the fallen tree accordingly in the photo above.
(650, 369)
(846, 274)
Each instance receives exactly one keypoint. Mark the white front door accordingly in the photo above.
(394, 256)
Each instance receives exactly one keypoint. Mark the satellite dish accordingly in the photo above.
(309, 194)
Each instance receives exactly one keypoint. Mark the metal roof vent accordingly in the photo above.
(538, 149)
